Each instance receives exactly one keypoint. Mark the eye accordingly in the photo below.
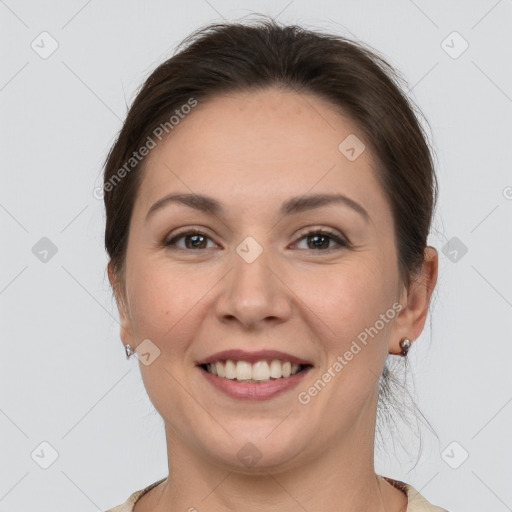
(321, 238)
(193, 240)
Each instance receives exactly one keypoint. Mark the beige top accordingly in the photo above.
(417, 503)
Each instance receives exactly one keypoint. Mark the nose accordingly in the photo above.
(253, 293)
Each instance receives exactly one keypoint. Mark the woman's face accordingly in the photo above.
(255, 280)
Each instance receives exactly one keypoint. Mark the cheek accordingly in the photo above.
(347, 298)
(159, 299)
(168, 305)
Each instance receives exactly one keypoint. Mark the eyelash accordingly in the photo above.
(342, 242)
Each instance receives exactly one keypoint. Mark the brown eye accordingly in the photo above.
(193, 240)
(319, 240)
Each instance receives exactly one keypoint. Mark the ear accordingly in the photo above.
(414, 301)
(126, 331)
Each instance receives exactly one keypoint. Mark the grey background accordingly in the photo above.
(64, 377)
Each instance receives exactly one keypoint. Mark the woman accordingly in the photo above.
(268, 203)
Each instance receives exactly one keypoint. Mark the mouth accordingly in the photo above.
(253, 367)
(257, 372)
(261, 380)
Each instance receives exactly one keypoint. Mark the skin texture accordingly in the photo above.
(253, 151)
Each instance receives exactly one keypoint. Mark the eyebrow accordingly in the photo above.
(291, 206)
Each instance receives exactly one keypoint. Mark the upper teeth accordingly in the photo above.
(261, 370)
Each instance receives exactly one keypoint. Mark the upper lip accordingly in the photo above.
(252, 357)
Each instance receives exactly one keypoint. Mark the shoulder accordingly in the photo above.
(416, 502)
(128, 505)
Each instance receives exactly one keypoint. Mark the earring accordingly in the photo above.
(405, 345)
(129, 351)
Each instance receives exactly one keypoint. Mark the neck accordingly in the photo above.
(342, 477)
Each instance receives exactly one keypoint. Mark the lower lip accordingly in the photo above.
(252, 390)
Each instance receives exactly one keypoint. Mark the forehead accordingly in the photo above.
(261, 144)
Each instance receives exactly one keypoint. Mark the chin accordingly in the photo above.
(256, 452)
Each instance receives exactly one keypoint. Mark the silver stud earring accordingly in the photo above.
(129, 351)
(405, 345)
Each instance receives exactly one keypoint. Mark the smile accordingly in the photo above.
(259, 371)
(261, 380)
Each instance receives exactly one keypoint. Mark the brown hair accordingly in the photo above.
(226, 57)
